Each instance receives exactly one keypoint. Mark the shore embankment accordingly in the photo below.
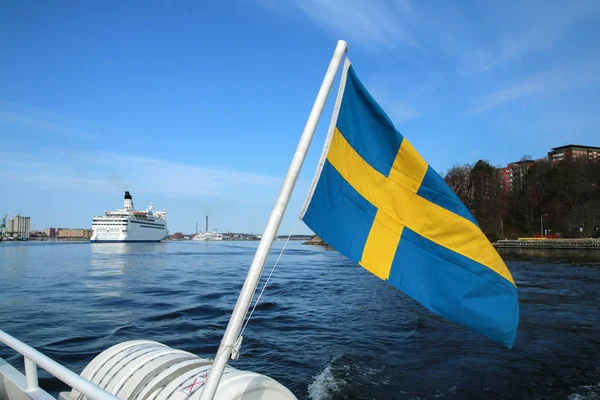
(576, 244)
(317, 241)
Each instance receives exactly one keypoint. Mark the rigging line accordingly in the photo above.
(268, 278)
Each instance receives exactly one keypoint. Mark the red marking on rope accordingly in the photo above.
(192, 385)
(198, 383)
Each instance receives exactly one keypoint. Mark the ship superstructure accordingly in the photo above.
(209, 236)
(129, 225)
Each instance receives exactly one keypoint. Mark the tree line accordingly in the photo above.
(563, 196)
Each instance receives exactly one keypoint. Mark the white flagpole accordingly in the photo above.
(241, 308)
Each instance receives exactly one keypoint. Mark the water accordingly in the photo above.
(325, 328)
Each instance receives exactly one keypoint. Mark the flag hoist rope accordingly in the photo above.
(232, 333)
(239, 340)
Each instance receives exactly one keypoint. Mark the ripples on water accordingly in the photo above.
(325, 328)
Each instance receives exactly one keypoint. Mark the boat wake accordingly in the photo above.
(346, 377)
(586, 393)
(326, 385)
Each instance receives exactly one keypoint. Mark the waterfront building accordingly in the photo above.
(511, 176)
(572, 152)
(74, 233)
(19, 225)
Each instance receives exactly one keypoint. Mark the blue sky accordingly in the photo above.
(198, 106)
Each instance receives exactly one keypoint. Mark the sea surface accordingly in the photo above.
(325, 328)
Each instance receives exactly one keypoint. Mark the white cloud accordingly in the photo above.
(400, 111)
(18, 119)
(42, 122)
(101, 172)
(373, 23)
(500, 97)
(555, 80)
(532, 28)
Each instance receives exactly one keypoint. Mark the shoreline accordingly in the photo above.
(575, 244)
(44, 241)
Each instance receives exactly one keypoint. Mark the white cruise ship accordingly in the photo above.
(129, 225)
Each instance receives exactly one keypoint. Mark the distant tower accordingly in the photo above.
(207, 223)
(128, 203)
(196, 228)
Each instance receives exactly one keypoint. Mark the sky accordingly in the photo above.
(198, 106)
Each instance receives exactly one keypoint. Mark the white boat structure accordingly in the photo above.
(129, 225)
(207, 236)
(204, 236)
(148, 370)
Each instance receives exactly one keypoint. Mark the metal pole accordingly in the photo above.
(241, 308)
(31, 374)
(542, 225)
(69, 377)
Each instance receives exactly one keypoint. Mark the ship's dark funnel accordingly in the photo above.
(128, 202)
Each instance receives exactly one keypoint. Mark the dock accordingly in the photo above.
(579, 244)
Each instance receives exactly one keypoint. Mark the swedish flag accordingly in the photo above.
(376, 201)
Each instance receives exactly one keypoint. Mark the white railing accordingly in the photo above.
(33, 358)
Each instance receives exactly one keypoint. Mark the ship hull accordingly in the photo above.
(128, 231)
(125, 241)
